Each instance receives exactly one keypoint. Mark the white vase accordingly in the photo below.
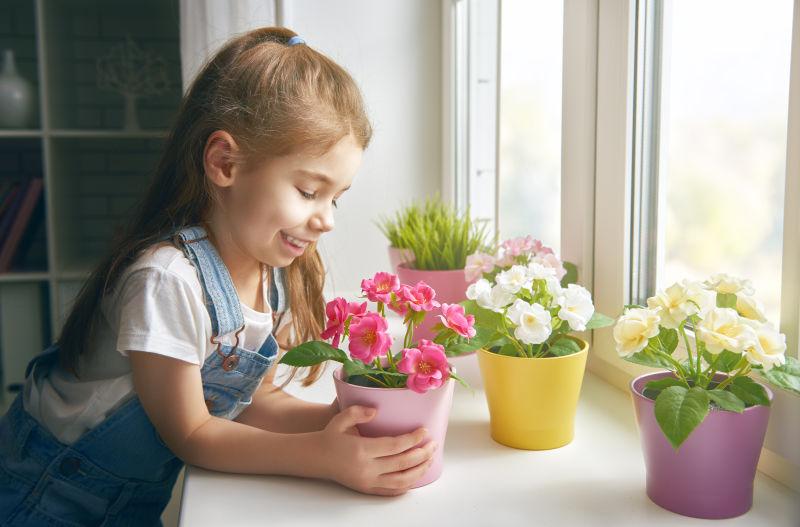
(16, 95)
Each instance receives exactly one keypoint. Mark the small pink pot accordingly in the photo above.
(400, 411)
(399, 256)
(450, 287)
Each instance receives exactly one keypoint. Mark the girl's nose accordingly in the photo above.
(323, 220)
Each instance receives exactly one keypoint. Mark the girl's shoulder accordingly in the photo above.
(164, 258)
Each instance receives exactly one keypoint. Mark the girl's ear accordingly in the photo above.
(218, 157)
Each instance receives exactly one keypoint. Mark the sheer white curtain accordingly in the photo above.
(207, 24)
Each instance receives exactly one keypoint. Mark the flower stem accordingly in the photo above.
(512, 339)
(376, 381)
(743, 370)
(689, 352)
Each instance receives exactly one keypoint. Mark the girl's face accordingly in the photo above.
(274, 211)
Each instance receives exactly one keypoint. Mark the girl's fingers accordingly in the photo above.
(388, 446)
(405, 478)
(378, 491)
(406, 460)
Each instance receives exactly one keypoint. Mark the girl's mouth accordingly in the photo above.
(296, 245)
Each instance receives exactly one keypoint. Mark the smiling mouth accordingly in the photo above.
(296, 242)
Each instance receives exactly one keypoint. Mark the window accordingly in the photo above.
(529, 181)
(710, 129)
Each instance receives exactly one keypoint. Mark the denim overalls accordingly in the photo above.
(120, 472)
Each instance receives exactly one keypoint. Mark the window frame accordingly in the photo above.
(597, 161)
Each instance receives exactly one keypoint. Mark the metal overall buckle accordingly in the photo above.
(231, 360)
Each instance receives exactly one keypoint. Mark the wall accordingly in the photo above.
(393, 50)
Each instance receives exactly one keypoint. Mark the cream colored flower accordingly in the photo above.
(680, 301)
(750, 307)
(768, 349)
(730, 285)
(723, 329)
(634, 329)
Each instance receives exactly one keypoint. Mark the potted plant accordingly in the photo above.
(395, 229)
(440, 239)
(702, 419)
(531, 366)
(411, 388)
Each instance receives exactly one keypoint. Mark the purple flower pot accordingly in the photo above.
(711, 474)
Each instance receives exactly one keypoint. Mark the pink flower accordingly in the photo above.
(518, 246)
(477, 264)
(453, 317)
(368, 337)
(420, 297)
(551, 260)
(426, 366)
(338, 310)
(381, 287)
(539, 249)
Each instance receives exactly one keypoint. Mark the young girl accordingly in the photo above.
(168, 354)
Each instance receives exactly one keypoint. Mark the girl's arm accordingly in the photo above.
(171, 392)
(276, 410)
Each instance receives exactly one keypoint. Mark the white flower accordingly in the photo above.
(679, 301)
(722, 329)
(726, 284)
(749, 307)
(553, 286)
(482, 289)
(576, 306)
(768, 348)
(537, 271)
(499, 299)
(514, 279)
(532, 321)
(634, 329)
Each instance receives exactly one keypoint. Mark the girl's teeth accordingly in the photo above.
(295, 241)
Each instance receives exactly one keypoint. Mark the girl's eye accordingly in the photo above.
(307, 195)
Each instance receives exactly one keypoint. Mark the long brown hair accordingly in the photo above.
(273, 99)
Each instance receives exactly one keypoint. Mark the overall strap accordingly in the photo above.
(222, 301)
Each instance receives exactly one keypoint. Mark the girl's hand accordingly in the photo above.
(387, 466)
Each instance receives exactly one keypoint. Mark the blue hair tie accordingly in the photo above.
(295, 40)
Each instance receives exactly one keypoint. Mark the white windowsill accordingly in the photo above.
(598, 479)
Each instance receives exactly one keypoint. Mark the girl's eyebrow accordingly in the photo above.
(319, 176)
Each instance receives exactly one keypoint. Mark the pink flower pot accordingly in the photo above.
(711, 474)
(450, 287)
(400, 411)
(399, 256)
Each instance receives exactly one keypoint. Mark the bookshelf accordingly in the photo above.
(92, 170)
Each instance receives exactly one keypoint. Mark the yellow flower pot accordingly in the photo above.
(532, 402)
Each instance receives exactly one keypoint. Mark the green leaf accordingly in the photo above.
(725, 361)
(726, 400)
(311, 353)
(679, 411)
(786, 376)
(564, 346)
(726, 300)
(647, 357)
(598, 321)
(484, 318)
(653, 388)
(462, 382)
(669, 340)
(749, 391)
(572, 274)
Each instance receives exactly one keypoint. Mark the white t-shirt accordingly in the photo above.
(157, 306)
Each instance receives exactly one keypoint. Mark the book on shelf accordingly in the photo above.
(15, 215)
